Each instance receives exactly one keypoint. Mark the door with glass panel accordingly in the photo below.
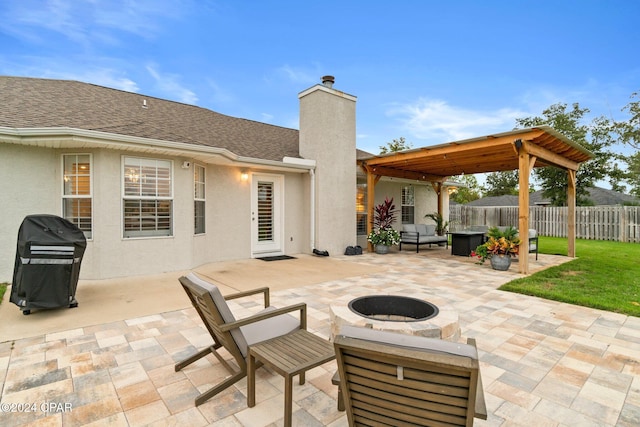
(266, 215)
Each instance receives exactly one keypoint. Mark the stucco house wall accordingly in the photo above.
(32, 180)
(233, 151)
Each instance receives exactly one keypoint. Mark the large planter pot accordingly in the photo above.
(382, 249)
(500, 262)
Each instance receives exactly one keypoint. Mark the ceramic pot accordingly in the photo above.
(500, 262)
(382, 249)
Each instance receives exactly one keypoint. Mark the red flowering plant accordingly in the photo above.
(383, 232)
(499, 243)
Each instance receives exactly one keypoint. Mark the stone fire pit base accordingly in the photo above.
(444, 326)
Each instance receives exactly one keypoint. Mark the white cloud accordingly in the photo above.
(87, 22)
(169, 85)
(300, 75)
(435, 120)
(102, 77)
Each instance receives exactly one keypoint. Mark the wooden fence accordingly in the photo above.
(621, 223)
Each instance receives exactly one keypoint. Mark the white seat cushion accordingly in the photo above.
(255, 332)
(410, 341)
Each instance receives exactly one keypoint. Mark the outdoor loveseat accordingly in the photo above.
(420, 234)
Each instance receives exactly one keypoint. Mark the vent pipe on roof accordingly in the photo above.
(328, 81)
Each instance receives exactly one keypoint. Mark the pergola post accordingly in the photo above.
(372, 180)
(571, 213)
(437, 187)
(523, 207)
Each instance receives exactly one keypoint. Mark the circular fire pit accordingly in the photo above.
(412, 316)
(393, 308)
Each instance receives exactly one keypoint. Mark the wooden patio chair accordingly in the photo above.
(235, 335)
(393, 379)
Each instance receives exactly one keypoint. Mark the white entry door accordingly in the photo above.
(266, 215)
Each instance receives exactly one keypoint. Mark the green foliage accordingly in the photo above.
(384, 236)
(499, 243)
(633, 173)
(606, 276)
(395, 145)
(596, 137)
(629, 131)
(501, 183)
(468, 192)
(3, 289)
(441, 224)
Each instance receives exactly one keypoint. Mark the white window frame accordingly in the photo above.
(142, 234)
(407, 206)
(76, 220)
(199, 198)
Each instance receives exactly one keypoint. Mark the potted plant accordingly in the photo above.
(499, 248)
(383, 234)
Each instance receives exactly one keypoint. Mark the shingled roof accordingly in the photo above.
(599, 196)
(44, 103)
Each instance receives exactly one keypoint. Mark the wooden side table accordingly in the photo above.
(289, 355)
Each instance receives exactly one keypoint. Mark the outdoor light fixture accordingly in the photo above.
(244, 175)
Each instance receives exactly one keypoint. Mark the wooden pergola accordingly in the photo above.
(522, 150)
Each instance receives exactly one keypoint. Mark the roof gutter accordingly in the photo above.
(58, 136)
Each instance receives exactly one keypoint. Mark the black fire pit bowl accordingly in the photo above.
(393, 308)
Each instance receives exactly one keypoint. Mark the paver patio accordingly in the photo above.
(543, 363)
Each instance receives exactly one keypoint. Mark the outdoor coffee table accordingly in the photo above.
(465, 242)
(289, 355)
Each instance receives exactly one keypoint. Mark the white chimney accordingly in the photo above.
(328, 136)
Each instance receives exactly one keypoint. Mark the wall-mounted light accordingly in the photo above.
(244, 175)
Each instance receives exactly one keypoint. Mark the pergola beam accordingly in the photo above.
(404, 174)
(548, 156)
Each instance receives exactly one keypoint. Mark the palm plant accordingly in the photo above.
(441, 224)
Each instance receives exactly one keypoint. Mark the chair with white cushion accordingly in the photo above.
(235, 335)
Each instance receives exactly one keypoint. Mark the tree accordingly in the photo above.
(629, 131)
(617, 176)
(470, 190)
(395, 145)
(501, 183)
(596, 137)
(633, 173)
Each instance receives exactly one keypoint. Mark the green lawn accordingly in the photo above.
(3, 289)
(605, 275)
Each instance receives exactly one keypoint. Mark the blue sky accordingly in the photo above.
(429, 71)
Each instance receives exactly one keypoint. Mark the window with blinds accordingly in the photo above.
(77, 194)
(408, 205)
(199, 199)
(147, 197)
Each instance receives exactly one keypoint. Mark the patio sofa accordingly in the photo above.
(420, 234)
